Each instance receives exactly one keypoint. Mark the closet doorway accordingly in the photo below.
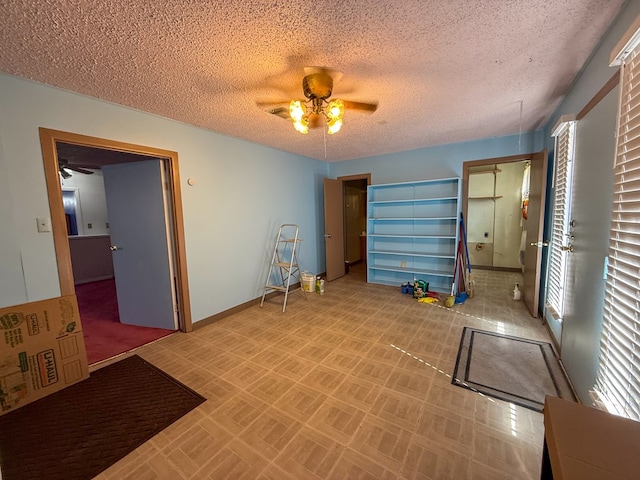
(495, 215)
(345, 204)
(530, 236)
(355, 224)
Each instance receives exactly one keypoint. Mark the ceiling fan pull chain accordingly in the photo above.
(324, 137)
(520, 133)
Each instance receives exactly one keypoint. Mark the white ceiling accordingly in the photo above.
(441, 71)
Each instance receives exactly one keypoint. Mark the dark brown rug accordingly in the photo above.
(78, 432)
(517, 370)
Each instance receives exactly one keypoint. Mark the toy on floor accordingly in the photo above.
(407, 288)
(428, 300)
(420, 289)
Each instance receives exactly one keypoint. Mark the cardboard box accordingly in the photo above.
(41, 350)
(584, 443)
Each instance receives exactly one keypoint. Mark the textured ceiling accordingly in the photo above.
(441, 71)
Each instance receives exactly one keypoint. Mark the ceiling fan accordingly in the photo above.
(317, 108)
(64, 166)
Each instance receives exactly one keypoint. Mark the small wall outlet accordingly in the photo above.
(89, 225)
(44, 224)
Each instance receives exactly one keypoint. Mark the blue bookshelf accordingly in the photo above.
(412, 232)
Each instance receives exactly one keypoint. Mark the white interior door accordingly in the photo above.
(140, 242)
(593, 187)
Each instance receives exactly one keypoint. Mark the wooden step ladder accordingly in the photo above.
(284, 269)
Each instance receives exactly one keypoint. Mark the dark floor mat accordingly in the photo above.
(80, 431)
(517, 370)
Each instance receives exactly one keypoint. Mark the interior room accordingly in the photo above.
(498, 111)
(86, 211)
(494, 230)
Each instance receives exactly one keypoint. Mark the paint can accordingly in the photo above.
(307, 281)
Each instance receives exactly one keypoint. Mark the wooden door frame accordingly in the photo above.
(466, 166)
(342, 180)
(48, 139)
(348, 178)
(361, 176)
(498, 160)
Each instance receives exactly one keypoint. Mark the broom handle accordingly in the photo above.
(464, 235)
(455, 273)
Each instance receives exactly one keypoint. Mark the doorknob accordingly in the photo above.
(327, 235)
(113, 248)
(568, 248)
(539, 244)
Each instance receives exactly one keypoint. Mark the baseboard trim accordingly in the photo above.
(238, 308)
(496, 269)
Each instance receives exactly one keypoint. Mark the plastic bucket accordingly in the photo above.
(308, 282)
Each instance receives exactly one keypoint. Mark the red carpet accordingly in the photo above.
(104, 335)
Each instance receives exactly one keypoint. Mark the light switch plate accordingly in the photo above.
(44, 224)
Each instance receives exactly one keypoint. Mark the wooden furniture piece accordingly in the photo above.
(584, 443)
(412, 232)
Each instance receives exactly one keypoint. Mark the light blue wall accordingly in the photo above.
(442, 161)
(580, 334)
(12, 286)
(243, 192)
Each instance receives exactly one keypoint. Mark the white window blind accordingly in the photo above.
(618, 380)
(562, 181)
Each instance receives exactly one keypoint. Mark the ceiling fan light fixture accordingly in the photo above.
(334, 125)
(335, 109)
(302, 125)
(316, 109)
(297, 110)
(298, 113)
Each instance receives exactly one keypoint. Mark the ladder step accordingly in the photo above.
(280, 288)
(285, 264)
(286, 246)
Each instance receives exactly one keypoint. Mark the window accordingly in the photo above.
(562, 182)
(618, 381)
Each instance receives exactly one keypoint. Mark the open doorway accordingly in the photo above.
(531, 232)
(88, 277)
(495, 223)
(355, 226)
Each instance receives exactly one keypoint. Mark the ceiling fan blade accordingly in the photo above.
(367, 107)
(281, 112)
(78, 169)
(268, 103)
(84, 165)
(64, 163)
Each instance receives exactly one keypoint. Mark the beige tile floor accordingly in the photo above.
(354, 384)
